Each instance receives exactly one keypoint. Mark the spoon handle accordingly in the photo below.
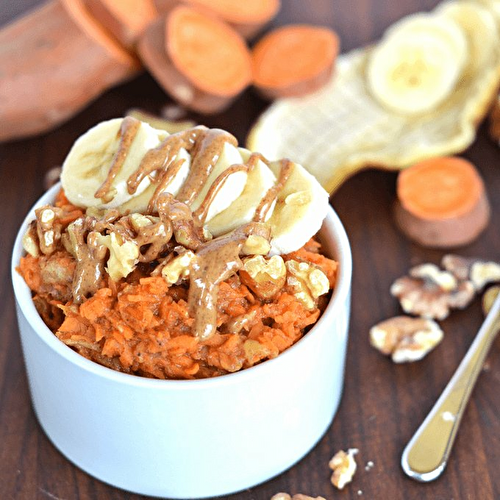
(426, 455)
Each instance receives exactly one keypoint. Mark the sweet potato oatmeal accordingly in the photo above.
(152, 292)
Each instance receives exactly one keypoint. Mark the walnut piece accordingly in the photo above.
(30, 240)
(48, 228)
(178, 268)
(344, 466)
(83, 243)
(255, 351)
(306, 281)
(265, 277)
(431, 293)
(123, 254)
(406, 339)
(256, 245)
(297, 496)
(480, 272)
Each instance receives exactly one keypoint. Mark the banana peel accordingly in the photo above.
(343, 128)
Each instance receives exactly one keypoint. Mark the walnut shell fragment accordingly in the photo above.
(406, 339)
(431, 293)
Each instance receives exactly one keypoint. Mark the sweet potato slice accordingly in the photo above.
(125, 19)
(294, 60)
(200, 61)
(442, 202)
(209, 53)
(246, 17)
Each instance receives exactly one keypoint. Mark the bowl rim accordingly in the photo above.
(22, 295)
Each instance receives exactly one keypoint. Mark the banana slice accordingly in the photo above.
(443, 28)
(88, 163)
(479, 26)
(300, 209)
(230, 189)
(413, 72)
(241, 211)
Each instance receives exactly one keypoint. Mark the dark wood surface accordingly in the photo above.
(382, 404)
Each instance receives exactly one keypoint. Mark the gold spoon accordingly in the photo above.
(426, 455)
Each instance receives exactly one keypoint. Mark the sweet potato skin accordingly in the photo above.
(52, 68)
(444, 233)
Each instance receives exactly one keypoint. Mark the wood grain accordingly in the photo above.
(382, 404)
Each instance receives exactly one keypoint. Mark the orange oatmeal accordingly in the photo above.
(153, 293)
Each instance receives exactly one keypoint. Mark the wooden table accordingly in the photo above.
(382, 404)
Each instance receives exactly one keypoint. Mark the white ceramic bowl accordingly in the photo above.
(188, 438)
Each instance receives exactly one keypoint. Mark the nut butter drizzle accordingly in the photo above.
(128, 131)
(165, 179)
(217, 259)
(160, 157)
(90, 258)
(286, 168)
(208, 151)
(202, 211)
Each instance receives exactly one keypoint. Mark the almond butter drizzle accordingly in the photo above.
(207, 152)
(165, 179)
(272, 194)
(160, 157)
(217, 259)
(202, 211)
(128, 131)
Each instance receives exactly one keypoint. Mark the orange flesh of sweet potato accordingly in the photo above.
(442, 203)
(294, 60)
(210, 54)
(440, 188)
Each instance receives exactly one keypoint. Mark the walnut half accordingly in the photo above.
(307, 282)
(480, 272)
(406, 339)
(265, 277)
(431, 293)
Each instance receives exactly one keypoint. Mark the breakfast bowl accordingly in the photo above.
(188, 438)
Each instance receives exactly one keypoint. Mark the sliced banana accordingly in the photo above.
(230, 189)
(300, 210)
(242, 210)
(413, 72)
(443, 28)
(88, 163)
(479, 26)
